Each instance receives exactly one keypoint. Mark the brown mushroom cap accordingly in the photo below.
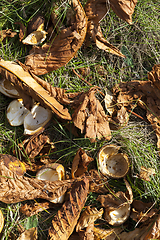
(112, 163)
(8, 89)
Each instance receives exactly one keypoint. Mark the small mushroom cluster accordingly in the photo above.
(33, 120)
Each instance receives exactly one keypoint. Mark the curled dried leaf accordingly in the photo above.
(90, 117)
(8, 89)
(14, 188)
(124, 9)
(154, 75)
(7, 33)
(80, 163)
(90, 215)
(106, 234)
(62, 47)
(29, 89)
(145, 173)
(65, 220)
(34, 208)
(30, 234)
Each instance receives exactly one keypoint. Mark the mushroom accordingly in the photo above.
(8, 89)
(52, 172)
(35, 120)
(1, 221)
(16, 112)
(112, 163)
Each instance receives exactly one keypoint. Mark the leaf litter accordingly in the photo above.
(88, 115)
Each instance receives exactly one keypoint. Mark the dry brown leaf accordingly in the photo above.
(141, 211)
(96, 11)
(117, 206)
(32, 209)
(145, 173)
(90, 117)
(124, 9)
(14, 188)
(65, 220)
(109, 102)
(1, 221)
(80, 163)
(13, 164)
(106, 234)
(87, 233)
(97, 182)
(7, 33)
(30, 234)
(90, 215)
(28, 88)
(122, 116)
(34, 144)
(62, 47)
(154, 75)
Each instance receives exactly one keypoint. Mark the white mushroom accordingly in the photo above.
(16, 112)
(52, 172)
(112, 163)
(35, 120)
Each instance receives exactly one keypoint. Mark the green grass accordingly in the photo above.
(141, 43)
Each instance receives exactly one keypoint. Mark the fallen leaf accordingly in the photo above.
(145, 173)
(30, 234)
(106, 234)
(34, 208)
(13, 164)
(96, 11)
(1, 221)
(90, 117)
(117, 206)
(7, 33)
(141, 211)
(28, 88)
(124, 9)
(90, 215)
(62, 46)
(34, 144)
(97, 182)
(87, 233)
(80, 163)
(122, 116)
(109, 102)
(14, 188)
(65, 220)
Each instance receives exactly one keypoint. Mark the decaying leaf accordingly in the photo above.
(1, 221)
(96, 11)
(106, 234)
(29, 89)
(145, 173)
(111, 163)
(90, 117)
(90, 215)
(8, 89)
(154, 75)
(141, 211)
(62, 47)
(34, 144)
(30, 234)
(7, 33)
(80, 163)
(117, 206)
(122, 116)
(13, 164)
(65, 220)
(124, 9)
(14, 188)
(34, 208)
(109, 102)
(97, 182)
(87, 233)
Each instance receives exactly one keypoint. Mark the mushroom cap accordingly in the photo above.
(112, 163)
(35, 120)
(52, 172)
(16, 112)
(1, 221)
(8, 89)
